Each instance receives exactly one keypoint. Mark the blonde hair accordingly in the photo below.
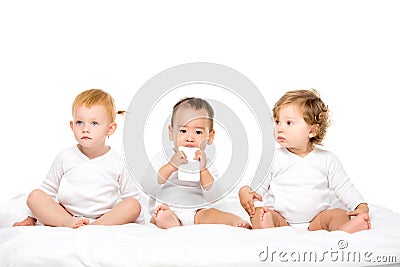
(315, 112)
(93, 97)
(196, 103)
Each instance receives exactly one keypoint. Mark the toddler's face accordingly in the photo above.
(291, 130)
(91, 125)
(191, 128)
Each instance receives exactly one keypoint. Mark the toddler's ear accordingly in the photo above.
(211, 137)
(111, 128)
(170, 133)
(314, 130)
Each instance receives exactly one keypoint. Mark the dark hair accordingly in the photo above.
(196, 103)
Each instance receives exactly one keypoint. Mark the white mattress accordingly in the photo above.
(198, 245)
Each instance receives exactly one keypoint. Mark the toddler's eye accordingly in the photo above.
(199, 132)
(277, 122)
(290, 123)
(94, 124)
(182, 131)
(78, 123)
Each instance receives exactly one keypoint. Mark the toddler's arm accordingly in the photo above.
(247, 197)
(206, 178)
(166, 170)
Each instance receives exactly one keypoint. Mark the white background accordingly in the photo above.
(348, 50)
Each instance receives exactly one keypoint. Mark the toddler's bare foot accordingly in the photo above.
(266, 218)
(358, 223)
(76, 222)
(165, 218)
(28, 221)
(241, 223)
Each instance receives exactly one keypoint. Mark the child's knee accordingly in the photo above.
(213, 211)
(337, 212)
(36, 193)
(201, 214)
(133, 204)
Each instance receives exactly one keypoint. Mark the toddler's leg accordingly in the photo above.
(164, 217)
(357, 223)
(337, 219)
(28, 221)
(266, 218)
(215, 216)
(124, 212)
(50, 213)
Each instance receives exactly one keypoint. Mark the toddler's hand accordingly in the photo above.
(178, 159)
(200, 155)
(247, 199)
(361, 210)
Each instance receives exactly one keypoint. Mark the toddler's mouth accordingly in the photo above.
(189, 145)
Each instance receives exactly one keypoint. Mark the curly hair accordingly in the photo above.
(315, 111)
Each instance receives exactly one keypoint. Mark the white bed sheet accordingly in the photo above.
(198, 245)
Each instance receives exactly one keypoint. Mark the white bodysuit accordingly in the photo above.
(182, 196)
(298, 188)
(89, 187)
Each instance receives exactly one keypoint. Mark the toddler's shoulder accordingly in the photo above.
(67, 153)
(323, 152)
(115, 154)
(326, 155)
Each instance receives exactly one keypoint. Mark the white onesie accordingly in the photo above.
(89, 187)
(183, 197)
(298, 188)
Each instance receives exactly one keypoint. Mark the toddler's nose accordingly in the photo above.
(189, 138)
(85, 129)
